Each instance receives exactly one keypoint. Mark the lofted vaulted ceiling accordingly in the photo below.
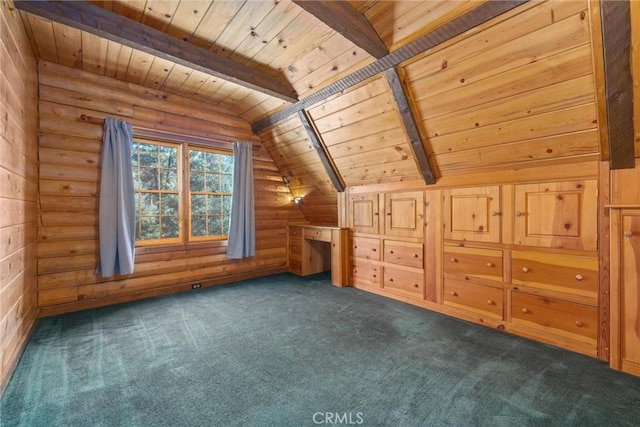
(346, 93)
(277, 38)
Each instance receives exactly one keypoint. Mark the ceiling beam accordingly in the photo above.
(616, 46)
(481, 14)
(347, 21)
(321, 149)
(409, 122)
(111, 26)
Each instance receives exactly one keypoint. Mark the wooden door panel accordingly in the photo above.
(557, 215)
(364, 213)
(472, 214)
(404, 214)
(630, 294)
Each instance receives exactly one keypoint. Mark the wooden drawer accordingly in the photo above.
(323, 235)
(407, 282)
(295, 232)
(469, 296)
(404, 253)
(295, 249)
(295, 266)
(367, 248)
(365, 273)
(565, 318)
(561, 273)
(475, 263)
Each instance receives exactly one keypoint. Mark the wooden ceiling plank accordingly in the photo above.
(415, 141)
(616, 45)
(346, 20)
(316, 140)
(456, 27)
(111, 26)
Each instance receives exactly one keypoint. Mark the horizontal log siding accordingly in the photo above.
(292, 150)
(18, 189)
(69, 185)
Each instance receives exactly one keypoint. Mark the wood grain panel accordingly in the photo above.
(18, 165)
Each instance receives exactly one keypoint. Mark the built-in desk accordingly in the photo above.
(315, 248)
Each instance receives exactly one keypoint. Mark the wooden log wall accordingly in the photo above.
(18, 189)
(294, 154)
(69, 152)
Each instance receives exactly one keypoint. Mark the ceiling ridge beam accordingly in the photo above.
(111, 26)
(321, 149)
(616, 46)
(347, 21)
(454, 28)
(408, 120)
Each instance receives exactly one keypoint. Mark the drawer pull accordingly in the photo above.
(525, 270)
(579, 277)
(489, 264)
(628, 233)
(525, 310)
(495, 213)
(579, 324)
(454, 293)
(490, 302)
(454, 260)
(518, 213)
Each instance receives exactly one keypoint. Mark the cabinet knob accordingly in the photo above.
(416, 255)
(579, 277)
(579, 324)
(525, 270)
(628, 233)
(489, 264)
(454, 293)
(518, 213)
(453, 260)
(495, 213)
(490, 302)
(391, 252)
(525, 310)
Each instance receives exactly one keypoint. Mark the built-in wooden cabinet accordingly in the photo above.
(388, 255)
(521, 257)
(404, 214)
(556, 215)
(472, 214)
(364, 213)
(625, 290)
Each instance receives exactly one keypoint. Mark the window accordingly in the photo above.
(160, 169)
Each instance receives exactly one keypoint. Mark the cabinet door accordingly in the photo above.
(364, 213)
(625, 297)
(404, 214)
(556, 215)
(472, 214)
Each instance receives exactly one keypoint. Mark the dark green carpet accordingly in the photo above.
(287, 351)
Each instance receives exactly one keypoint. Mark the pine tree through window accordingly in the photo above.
(169, 184)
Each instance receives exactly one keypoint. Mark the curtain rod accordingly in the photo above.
(168, 136)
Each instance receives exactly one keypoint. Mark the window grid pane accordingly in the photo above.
(211, 185)
(155, 169)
